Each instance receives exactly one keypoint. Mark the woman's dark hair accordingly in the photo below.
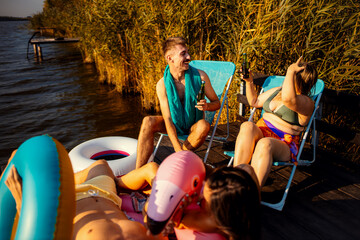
(235, 203)
(307, 78)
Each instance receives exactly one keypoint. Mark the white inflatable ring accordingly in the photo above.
(121, 149)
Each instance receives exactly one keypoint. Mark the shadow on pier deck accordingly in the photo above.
(323, 201)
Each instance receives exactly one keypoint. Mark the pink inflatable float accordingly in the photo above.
(179, 174)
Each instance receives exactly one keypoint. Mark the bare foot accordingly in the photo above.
(14, 183)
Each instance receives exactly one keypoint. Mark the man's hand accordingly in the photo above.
(249, 79)
(202, 105)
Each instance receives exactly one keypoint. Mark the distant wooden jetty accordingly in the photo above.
(38, 41)
(47, 36)
(54, 40)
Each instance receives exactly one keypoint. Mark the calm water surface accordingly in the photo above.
(60, 96)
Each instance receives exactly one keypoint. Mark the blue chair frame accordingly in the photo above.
(316, 92)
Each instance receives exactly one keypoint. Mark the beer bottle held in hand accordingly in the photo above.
(201, 94)
(245, 67)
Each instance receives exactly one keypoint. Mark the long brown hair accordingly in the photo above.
(235, 203)
(306, 78)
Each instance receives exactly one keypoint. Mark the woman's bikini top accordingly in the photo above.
(283, 112)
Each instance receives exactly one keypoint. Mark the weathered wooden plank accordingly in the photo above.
(53, 40)
(279, 225)
(325, 217)
(336, 208)
(312, 221)
(323, 201)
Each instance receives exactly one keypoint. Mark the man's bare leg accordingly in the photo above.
(145, 145)
(197, 136)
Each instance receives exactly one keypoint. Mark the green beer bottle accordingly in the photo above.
(201, 94)
(245, 67)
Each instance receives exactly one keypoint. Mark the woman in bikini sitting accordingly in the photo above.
(98, 206)
(288, 110)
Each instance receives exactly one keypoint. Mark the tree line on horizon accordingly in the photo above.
(7, 18)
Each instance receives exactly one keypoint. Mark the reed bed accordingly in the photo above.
(123, 38)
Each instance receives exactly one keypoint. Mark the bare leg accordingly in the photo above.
(100, 167)
(197, 136)
(265, 151)
(245, 142)
(138, 178)
(96, 218)
(145, 146)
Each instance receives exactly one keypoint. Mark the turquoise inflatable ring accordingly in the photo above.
(48, 195)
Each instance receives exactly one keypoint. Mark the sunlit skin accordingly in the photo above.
(178, 59)
(97, 217)
(203, 220)
(251, 145)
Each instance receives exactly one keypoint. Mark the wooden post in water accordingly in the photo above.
(39, 51)
(37, 44)
(35, 50)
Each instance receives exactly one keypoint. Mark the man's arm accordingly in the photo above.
(165, 111)
(214, 103)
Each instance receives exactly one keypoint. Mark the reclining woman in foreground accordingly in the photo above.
(99, 215)
(288, 110)
(98, 206)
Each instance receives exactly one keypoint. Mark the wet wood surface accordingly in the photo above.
(323, 201)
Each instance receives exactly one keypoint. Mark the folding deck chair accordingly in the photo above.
(219, 73)
(316, 92)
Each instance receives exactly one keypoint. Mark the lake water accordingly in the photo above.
(60, 96)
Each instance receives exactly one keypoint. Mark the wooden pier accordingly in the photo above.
(37, 42)
(323, 201)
